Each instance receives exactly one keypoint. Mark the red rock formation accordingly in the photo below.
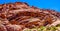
(19, 14)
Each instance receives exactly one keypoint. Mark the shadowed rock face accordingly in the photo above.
(18, 16)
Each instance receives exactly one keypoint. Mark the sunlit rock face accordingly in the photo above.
(18, 16)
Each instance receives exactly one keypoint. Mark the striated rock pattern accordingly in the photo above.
(18, 16)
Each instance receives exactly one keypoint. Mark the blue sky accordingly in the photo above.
(47, 4)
